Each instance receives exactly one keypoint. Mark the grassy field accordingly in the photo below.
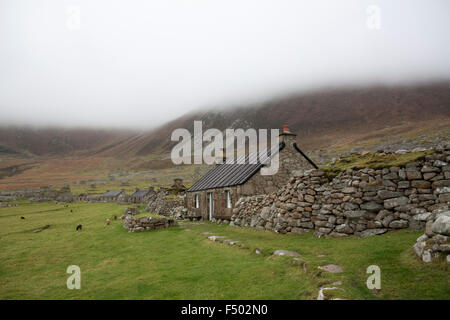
(374, 161)
(181, 263)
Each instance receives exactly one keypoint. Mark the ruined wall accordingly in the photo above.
(158, 204)
(361, 202)
(434, 244)
(147, 223)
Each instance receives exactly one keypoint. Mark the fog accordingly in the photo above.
(136, 64)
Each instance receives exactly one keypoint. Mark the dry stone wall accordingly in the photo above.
(356, 202)
(434, 244)
(160, 204)
(147, 223)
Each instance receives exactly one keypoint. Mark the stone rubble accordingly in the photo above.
(434, 244)
(147, 223)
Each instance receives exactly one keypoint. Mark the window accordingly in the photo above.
(196, 201)
(228, 199)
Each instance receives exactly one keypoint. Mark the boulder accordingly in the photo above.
(332, 268)
(372, 232)
(442, 225)
(286, 253)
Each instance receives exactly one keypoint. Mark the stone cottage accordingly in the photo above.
(111, 195)
(215, 194)
(141, 196)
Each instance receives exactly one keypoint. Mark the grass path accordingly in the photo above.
(181, 263)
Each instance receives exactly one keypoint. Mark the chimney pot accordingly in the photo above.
(286, 128)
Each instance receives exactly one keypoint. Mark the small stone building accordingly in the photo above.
(141, 196)
(215, 194)
(111, 195)
(82, 197)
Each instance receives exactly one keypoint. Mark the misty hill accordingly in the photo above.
(319, 118)
(56, 141)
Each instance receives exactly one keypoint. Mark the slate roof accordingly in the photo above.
(140, 193)
(227, 174)
(112, 193)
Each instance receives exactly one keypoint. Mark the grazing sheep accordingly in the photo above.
(23, 218)
(115, 217)
(108, 222)
(79, 227)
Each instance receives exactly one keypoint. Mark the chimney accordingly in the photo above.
(177, 182)
(287, 136)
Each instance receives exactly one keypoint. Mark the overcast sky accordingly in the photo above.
(140, 63)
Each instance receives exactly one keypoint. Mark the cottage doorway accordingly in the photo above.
(210, 205)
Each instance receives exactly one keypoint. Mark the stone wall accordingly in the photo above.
(360, 202)
(434, 244)
(160, 204)
(147, 223)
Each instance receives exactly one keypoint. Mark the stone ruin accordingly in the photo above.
(160, 204)
(131, 211)
(434, 244)
(42, 194)
(147, 223)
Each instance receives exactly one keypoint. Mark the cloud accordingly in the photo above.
(140, 63)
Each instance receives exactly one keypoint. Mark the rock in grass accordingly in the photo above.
(442, 224)
(286, 253)
(332, 268)
(322, 293)
(215, 238)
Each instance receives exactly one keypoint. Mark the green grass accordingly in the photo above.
(374, 161)
(181, 263)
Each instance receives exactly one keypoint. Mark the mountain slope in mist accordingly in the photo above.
(319, 118)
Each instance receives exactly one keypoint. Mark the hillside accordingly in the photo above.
(17, 140)
(321, 119)
(324, 118)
